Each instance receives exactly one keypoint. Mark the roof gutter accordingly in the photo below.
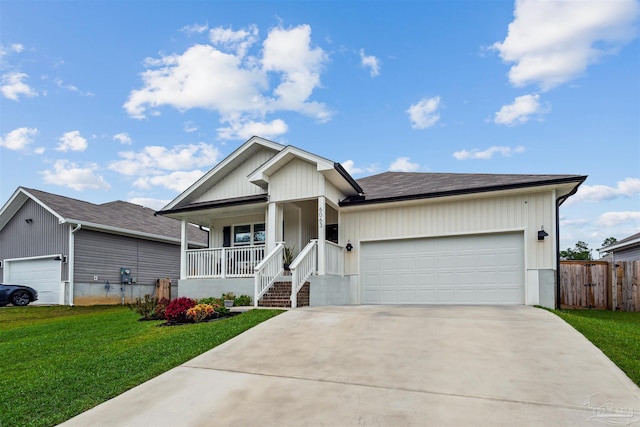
(125, 231)
(343, 172)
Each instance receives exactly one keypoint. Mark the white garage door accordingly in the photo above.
(474, 269)
(42, 275)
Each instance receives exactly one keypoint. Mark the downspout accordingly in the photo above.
(559, 201)
(72, 260)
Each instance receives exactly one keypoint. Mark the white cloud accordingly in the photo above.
(629, 187)
(424, 114)
(18, 139)
(245, 130)
(68, 174)
(72, 141)
(488, 153)
(177, 181)
(239, 41)
(61, 84)
(564, 222)
(371, 62)
(148, 202)
(13, 86)
(123, 138)
(194, 29)
(289, 52)
(155, 159)
(13, 48)
(223, 77)
(553, 42)
(190, 127)
(402, 164)
(611, 219)
(351, 168)
(520, 111)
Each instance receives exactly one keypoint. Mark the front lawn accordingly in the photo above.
(616, 333)
(60, 361)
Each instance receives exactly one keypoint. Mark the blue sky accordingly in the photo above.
(114, 100)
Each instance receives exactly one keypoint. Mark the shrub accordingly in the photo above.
(161, 308)
(200, 312)
(145, 307)
(211, 301)
(243, 301)
(177, 309)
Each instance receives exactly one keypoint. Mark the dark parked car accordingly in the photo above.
(17, 295)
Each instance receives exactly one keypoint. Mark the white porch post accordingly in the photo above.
(271, 228)
(322, 219)
(184, 245)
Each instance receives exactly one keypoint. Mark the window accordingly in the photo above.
(259, 234)
(252, 234)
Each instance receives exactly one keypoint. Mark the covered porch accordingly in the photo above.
(248, 241)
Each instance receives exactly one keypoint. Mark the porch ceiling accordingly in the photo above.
(204, 215)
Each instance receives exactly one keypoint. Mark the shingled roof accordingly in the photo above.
(397, 186)
(123, 216)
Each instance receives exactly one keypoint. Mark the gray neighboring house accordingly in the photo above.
(79, 253)
(627, 249)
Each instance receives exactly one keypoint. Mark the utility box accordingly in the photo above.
(125, 275)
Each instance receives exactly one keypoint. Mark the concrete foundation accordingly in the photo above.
(204, 288)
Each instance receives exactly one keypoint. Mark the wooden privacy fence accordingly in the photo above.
(626, 292)
(590, 284)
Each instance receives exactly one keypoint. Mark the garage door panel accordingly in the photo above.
(479, 269)
(41, 274)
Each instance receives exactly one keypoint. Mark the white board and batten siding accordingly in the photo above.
(470, 269)
(300, 180)
(236, 184)
(519, 214)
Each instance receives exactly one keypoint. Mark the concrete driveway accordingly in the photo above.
(388, 366)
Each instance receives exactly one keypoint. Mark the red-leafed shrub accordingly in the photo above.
(177, 309)
(161, 308)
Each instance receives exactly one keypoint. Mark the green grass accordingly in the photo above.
(616, 333)
(57, 362)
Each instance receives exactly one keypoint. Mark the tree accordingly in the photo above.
(580, 252)
(609, 241)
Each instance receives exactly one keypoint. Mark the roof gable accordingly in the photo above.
(331, 170)
(221, 170)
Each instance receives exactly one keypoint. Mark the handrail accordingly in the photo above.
(305, 264)
(334, 258)
(266, 272)
(223, 262)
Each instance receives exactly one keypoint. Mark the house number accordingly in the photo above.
(320, 217)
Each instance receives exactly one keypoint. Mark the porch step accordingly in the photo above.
(279, 295)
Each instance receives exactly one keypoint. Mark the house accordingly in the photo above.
(78, 253)
(627, 249)
(396, 238)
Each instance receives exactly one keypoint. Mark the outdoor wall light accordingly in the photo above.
(542, 234)
(349, 247)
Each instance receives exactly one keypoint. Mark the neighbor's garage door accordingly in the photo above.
(473, 269)
(41, 274)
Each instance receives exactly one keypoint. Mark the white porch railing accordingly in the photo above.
(223, 262)
(305, 264)
(267, 271)
(334, 258)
